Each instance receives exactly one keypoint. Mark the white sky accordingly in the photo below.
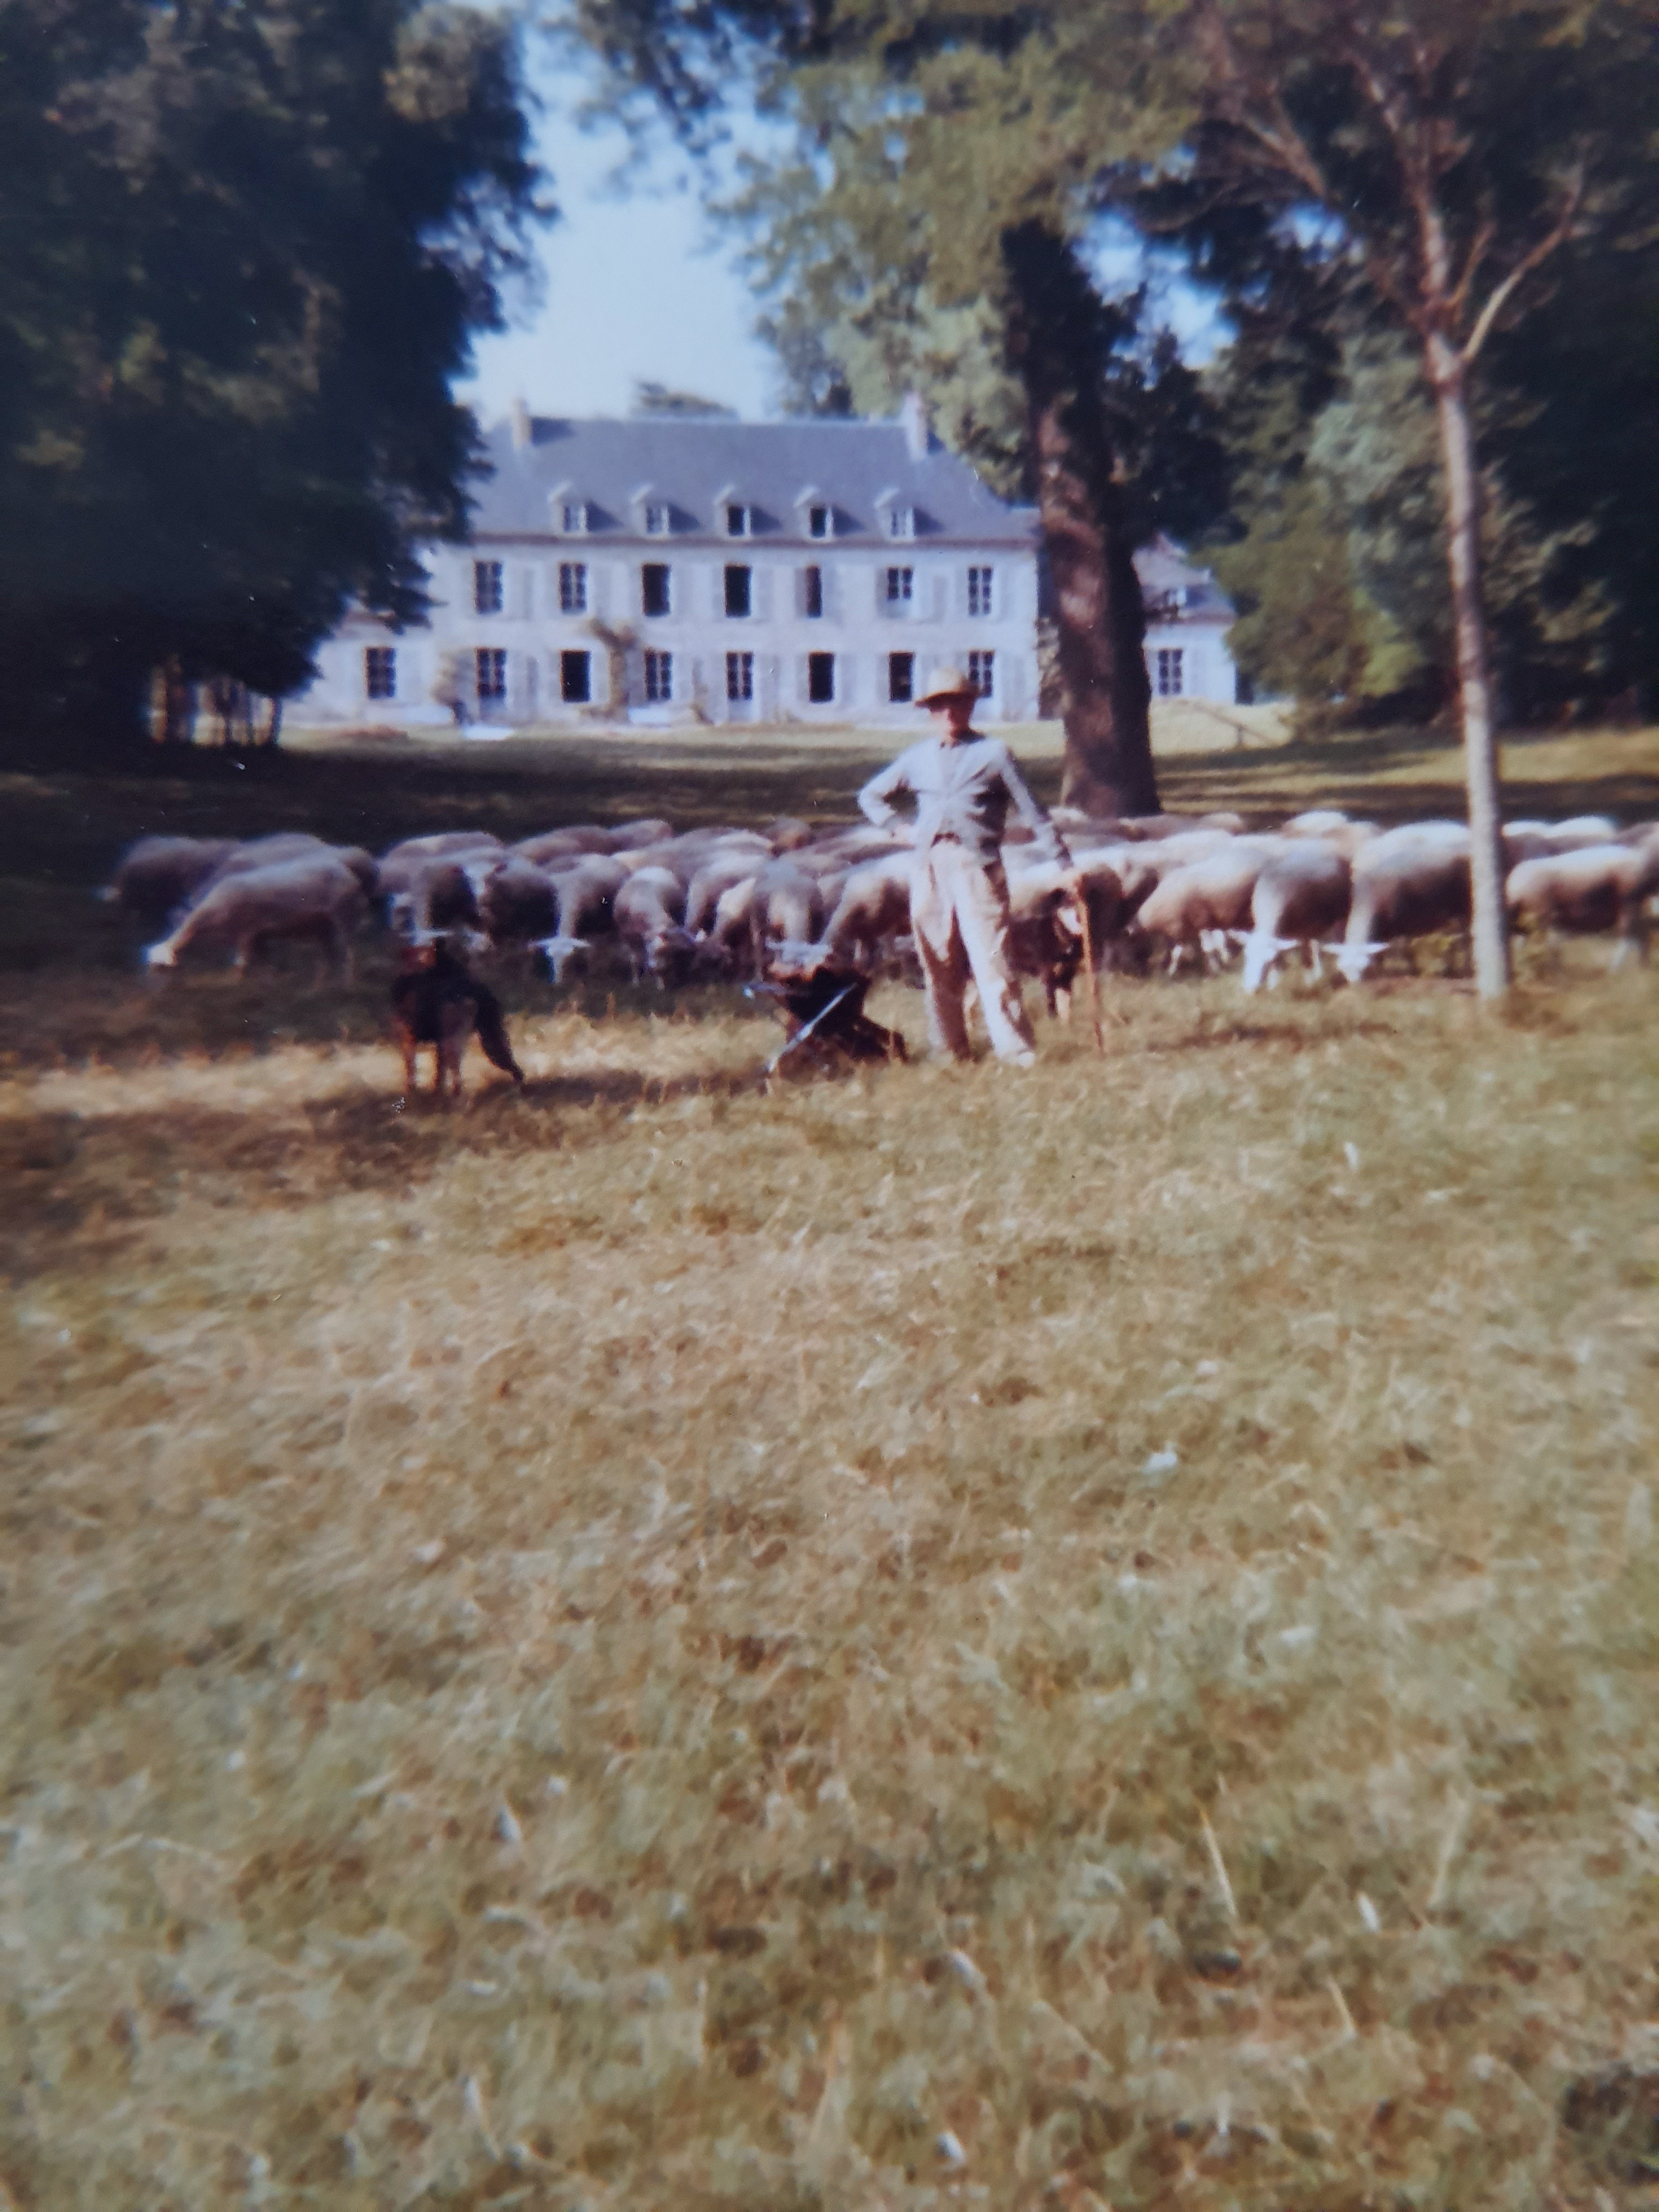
(639, 286)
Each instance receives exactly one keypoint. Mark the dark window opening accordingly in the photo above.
(901, 677)
(573, 587)
(492, 673)
(487, 587)
(658, 676)
(739, 675)
(653, 587)
(818, 522)
(813, 590)
(982, 672)
(820, 678)
(380, 671)
(737, 590)
(900, 584)
(574, 687)
(737, 521)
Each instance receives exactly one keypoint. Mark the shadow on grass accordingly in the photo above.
(80, 1188)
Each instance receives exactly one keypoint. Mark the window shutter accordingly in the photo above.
(598, 587)
(761, 593)
(940, 593)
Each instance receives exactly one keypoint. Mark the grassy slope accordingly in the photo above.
(660, 1645)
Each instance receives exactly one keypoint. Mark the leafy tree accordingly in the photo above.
(243, 254)
(1454, 147)
(925, 234)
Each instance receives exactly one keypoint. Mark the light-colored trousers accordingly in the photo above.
(959, 913)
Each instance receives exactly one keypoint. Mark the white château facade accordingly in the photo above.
(666, 570)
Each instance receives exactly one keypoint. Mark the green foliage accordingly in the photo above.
(242, 253)
(650, 399)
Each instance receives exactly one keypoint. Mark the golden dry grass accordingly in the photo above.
(950, 1638)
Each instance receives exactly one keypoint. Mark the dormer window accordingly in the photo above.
(573, 517)
(738, 517)
(901, 522)
(820, 522)
(658, 520)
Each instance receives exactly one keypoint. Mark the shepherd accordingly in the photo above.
(963, 784)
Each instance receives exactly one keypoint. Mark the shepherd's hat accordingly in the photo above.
(949, 684)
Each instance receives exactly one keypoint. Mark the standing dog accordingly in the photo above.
(435, 1001)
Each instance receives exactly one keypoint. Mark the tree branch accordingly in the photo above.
(1523, 269)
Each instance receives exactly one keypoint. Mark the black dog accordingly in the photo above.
(435, 1001)
(822, 1009)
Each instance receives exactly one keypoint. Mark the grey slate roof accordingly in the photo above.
(1177, 590)
(695, 464)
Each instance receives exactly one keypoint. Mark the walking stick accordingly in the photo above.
(1094, 980)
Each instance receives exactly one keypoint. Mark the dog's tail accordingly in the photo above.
(492, 1032)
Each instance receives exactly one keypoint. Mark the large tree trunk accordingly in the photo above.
(1448, 377)
(1057, 343)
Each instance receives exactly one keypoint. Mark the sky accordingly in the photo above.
(638, 287)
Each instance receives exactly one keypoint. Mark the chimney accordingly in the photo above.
(918, 426)
(518, 417)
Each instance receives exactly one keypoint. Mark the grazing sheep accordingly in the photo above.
(788, 903)
(1406, 883)
(873, 908)
(1301, 895)
(320, 899)
(587, 893)
(649, 910)
(518, 903)
(1588, 889)
(1200, 907)
(156, 875)
(557, 846)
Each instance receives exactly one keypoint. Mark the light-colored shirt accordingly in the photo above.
(962, 791)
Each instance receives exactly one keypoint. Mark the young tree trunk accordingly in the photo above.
(1489, 927)
(1057, 341)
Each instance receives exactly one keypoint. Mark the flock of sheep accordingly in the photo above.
(729, 904)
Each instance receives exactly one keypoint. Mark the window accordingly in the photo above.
(819, 522)
(901, 677)
(900, 585)
(739, 675)
(982, 672)
(653, 587)
(380, 671)
(487, 587)
(820, 678)
(573, 587)
(574, 680)
(573, 518)
(812, 591)
(901, 522)
(492, 673)
(738, 582)
(657, 521)
(658, 676)
(1170, 672)
(979, 591)
(737, 521)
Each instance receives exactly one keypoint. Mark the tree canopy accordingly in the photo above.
(242, 254)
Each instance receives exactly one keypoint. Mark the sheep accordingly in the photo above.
(1406, 883)
(1588, 888)
(156, 875)
(315, 898)
(632, 836)
(788, 903)
(1303, 892)
(649, 910)
(587, 894)
(872, 909)
(1202, 905)
(558, 846)
(518, 903)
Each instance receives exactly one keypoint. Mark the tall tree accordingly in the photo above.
(928, 229)
(1454, 147)
(242, 253)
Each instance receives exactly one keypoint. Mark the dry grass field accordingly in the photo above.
(1076, 1638)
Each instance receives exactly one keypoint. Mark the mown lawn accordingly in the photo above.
(1076, 1638)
